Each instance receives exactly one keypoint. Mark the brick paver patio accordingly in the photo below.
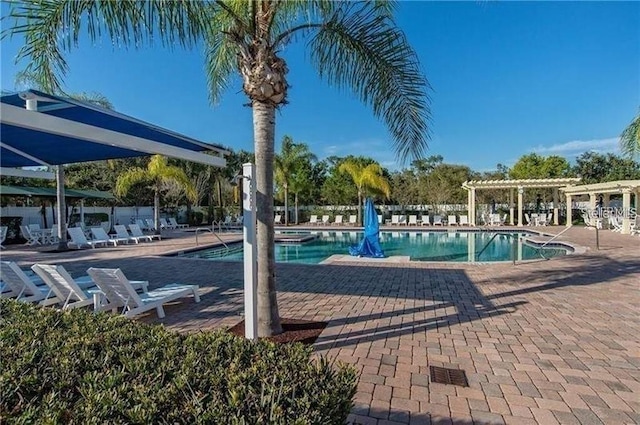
(546, 342)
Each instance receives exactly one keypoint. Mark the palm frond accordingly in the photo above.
(130, 178)
(177, 175)
(361, 48)
(51, 27)
(630, 139)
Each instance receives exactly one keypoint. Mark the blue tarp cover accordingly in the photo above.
(370, 245)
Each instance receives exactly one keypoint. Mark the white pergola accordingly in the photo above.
(472, 186)
(624, 187)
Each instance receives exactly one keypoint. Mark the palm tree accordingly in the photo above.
(366, 178)
(630, 138)
(353, 45)
(292, 155)
(157, 174)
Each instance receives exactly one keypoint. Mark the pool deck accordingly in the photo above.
(548, 341)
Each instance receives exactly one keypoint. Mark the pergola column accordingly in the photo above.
(511, 211)
(606, 200)
(593, 201)
(569, 218)
(520, 191)
(471, 205)
(556, 219)
(626, 208)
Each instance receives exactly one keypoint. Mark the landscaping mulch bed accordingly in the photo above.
(293, 330)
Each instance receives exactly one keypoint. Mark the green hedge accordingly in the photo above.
(80, 368)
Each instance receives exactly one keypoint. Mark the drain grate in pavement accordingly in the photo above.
(443, 375)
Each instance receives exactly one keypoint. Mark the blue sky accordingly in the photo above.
(508, 78)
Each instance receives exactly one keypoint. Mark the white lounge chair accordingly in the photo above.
(277, 219)
(425, 220)
(72, 293)
(379, 218)
(78, 239)
(120, 294)
(136, 232)
(3, 235)
(437, 220)
(413, 220)
(22, 287)
(100, 235)
(464, 220)
(165, 225)
(142, 224)
(122, 233)
(452, 220)
(325, 219)
(337, 220)
(177, 225)
(353, 219)
(395, 219)
(313, 219)
(151, 225)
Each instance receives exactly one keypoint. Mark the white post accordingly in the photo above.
(82, 213)
(626, 208)
(520, 192)
(472, 213)
(569, 217)
(511, 211)
(250, 251)
(556, 210)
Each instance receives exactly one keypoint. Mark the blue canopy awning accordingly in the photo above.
(64, 131)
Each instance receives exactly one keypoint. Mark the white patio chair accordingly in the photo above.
(142, 224)
(22, 287)
(137, 232)
(379, 219)
(3, 235)
(353, 220)
(437, 220)
(122, 233)
(78, 239)
(100, 235)
(527, 219)
(452, 220)
(425, 220)
(325, 219)
(464, 220)
(117, 292)
(413, 220)
(313, 219)
(337, 220)
(31, 238)
(165, 225)
(395, 219)
(177, 225)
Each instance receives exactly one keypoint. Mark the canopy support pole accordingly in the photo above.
(61, 206)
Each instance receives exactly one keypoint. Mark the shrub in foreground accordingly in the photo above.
(77, 367)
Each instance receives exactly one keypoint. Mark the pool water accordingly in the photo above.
(419, 246)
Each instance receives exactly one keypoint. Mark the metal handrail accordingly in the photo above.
(213, 233)
(491, 240)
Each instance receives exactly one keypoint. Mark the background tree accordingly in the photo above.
(156, 175)
(287, 164)
(593, 167)
(630, 139)
(534, 166)
(354, 45)
(368, 178)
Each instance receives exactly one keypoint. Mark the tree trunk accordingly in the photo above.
(62, 224)
(296, 207)
(264, 128)
(286, 205)
(360, 215)
(156, 210)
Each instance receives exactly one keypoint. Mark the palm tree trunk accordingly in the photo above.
(286, 205)
(156, 210)
(360, 217)
(264, 128)
(296, 207)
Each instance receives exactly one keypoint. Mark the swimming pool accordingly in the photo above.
(459, 246)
